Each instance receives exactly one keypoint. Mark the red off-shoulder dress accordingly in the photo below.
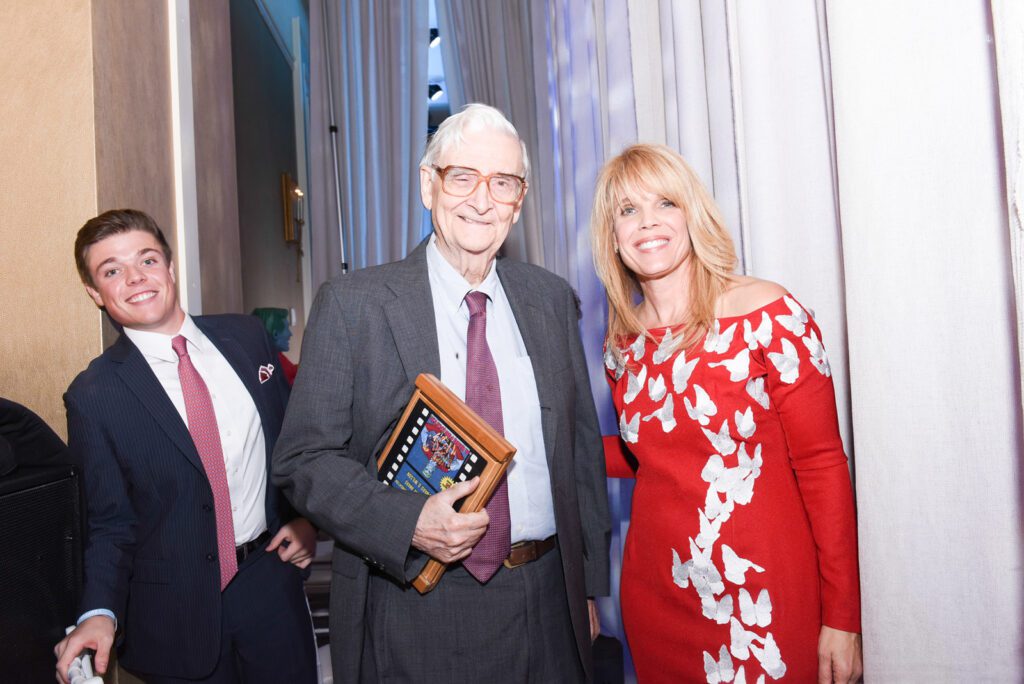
(742, 539)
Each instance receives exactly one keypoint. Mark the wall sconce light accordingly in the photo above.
(435, 37)
(294, 203)
(434, 91)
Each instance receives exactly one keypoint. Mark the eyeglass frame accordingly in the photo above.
(481, 179)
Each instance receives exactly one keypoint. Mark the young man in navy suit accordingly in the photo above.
(193, 556)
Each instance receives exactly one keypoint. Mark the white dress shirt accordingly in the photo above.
(529, 482)
(241, 431)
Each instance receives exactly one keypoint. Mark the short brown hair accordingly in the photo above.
(114, 222)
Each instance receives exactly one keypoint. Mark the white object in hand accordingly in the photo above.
(80, 670)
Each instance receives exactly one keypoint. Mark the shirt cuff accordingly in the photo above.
(99, 611)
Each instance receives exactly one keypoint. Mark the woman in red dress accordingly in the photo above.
(741, 560)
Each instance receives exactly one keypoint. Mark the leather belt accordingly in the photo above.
(527, 551)
(243, 551)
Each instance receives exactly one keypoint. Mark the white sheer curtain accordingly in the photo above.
(497, 53)
(1008, 25)
(932, 324)
(378, 63)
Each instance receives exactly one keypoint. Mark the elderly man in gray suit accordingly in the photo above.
(516, 604)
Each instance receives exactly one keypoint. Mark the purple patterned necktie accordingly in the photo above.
(202, 425)
(483, 395)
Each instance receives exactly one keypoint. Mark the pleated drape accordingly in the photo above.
(378, 63)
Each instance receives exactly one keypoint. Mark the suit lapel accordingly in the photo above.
(411, 315)
(532, 323)
(138, 377)
(245, 367)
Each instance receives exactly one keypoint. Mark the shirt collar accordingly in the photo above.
(158, 345)
(453, 287)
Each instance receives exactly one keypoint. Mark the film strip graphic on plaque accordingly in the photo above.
(428, 457)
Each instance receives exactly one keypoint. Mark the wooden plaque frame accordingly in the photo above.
(436, 416)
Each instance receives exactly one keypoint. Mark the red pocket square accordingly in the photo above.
(265, 372)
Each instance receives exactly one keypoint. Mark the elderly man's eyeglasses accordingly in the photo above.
(461, 181)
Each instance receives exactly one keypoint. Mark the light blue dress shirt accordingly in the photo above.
(529, 482)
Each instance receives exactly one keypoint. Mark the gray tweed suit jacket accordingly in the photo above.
(370, 334)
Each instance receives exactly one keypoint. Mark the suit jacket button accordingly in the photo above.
(211, 557)
(207, 507)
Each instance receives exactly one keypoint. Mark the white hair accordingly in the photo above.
(473, 117)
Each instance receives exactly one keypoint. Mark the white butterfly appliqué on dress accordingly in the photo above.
(786, 362)
(740, 639)
(749, 464)
(745, 423)
(664, 349)
(709, 531)
(761, 336)
(719, 611)
(629, 430)
(738, 366)
(681, 372)
(656, 388)
(634, 383)
(665, 415)
(770, 657)
(796, 321)
(720, 670)
(715, 508)
(614, 363)
(637, 348)
(717, 342)
(702, 407)
(741, 677)
(680, 570)
(756, 391)
(817, 351)
(721, 440)
(706, 578)
(756, 612)
(735, 567)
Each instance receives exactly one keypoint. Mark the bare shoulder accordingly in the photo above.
(746, 294)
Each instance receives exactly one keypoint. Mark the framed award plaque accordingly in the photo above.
(438, 442)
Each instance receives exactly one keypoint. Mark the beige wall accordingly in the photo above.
(216, 185)
(86, 127)
(50, 330)
(134, 156)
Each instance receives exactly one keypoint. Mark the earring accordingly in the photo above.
(616, 247)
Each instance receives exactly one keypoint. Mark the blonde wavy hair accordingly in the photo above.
(659, 170)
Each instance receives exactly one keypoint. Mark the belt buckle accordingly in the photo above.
(511, 565)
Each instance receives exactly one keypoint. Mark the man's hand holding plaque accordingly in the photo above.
(443, 449)
(442, 532)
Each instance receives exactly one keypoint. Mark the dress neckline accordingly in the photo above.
(677, 326)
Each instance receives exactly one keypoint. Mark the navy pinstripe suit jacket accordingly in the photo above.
(151, 526)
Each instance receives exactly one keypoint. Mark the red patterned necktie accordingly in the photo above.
(202, 425)
(483, 395)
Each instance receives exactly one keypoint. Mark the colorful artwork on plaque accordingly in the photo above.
(438, 454)
(431, 458)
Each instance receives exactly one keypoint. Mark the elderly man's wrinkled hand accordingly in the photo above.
(445, 534)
